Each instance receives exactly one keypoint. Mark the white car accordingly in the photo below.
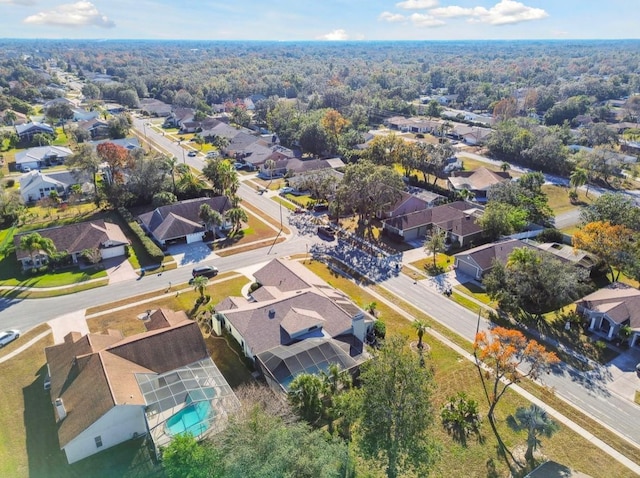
(8, 337)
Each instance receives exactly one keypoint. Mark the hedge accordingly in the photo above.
(155, 253)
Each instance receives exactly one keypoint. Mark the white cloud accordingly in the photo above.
(391, 17)
(421, 20)
(504, 12)
(417, 4)
(335, 35)
(18, 2)
(77, 14)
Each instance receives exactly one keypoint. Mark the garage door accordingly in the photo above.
(196, 237)
(467, 268)
(112, 252)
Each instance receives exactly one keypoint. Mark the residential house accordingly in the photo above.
(611, 308)
(179, 116)
(107, 389)
(153, 107)
(250, 102)
(180, 221)
(27, 131)
(457, 220)
(127, 143)
(477, 262)
(60, 100)
(412, 200)
(477, 182)
(19, 118)
(96, 127)
(472, 135)
(80, 114)
(114, 108)
(41, 156)
(36, 185)
(290, 166)
(73, 239)
(294, 323)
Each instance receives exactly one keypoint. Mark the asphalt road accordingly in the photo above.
(586, 391)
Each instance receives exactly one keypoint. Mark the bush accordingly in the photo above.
(255, 286)
(550, 235)
(11, 183)
(155, 253)
(379, 329)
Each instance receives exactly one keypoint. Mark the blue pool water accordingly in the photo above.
(191, 419)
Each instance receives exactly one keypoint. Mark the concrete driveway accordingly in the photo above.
(624, 379)
(119, 269)
(71, 322)
(186, 254)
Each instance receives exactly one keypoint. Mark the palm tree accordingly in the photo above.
(465, 195)
(336, 378)
(34, 243)
(505, 166)
(537, 423)
(270, 165)
(421, 327)
(10, 117)
(210, 217)
(237, 216)
(435, 244)
(579, 177)
(199, 285)
(171, 163)
(305, 394)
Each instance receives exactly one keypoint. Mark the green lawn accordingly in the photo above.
(11, 275)
(443, 262)
(452, 374)
(559, 198)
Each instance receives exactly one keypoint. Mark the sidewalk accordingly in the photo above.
(554, 413)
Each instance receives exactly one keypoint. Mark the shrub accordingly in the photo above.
(155, 253)
(379, 329)
(550, 235)
(255, 286)
(460, 417)
(11, 183)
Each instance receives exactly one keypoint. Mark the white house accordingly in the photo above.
(294, 314)
(108, 389)
(36, 185)
(40, 157)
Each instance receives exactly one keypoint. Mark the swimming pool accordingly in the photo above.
(191, 419)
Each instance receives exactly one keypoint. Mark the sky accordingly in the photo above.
(309, 20)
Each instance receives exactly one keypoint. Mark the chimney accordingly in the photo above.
(272, 313)
(359, 329)
(62, 412)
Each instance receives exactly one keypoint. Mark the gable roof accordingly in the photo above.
(485, 255)
(32, 128)
(95, 372)
(61, 178)
(480, 179)
(181, 218)
(127, 143)
(458, 217)
(41, 153)
(74, 238)
(618, 301)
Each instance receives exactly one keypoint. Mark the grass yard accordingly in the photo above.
(478, 458)
(443, 262)
(476, 292)
(290, 206)
(559, 198)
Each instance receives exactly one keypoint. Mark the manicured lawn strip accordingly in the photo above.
(476, 292)
(466, 303)
(252, 209)
(443, 261)
(412, 273)
(24, 338)
(287, 204)
(250, 247)
(43, 294)
(453, 374)
(137, 298)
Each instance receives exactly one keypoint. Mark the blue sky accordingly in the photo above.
(320, 19)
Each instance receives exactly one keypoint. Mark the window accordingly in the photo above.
(98, 440)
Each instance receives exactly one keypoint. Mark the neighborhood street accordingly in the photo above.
(587, 392)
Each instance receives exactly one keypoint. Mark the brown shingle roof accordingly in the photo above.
(93, 373)
(480, 179)
(75, 238)
(458, 217)
(484, 255)
(282, 275)
(181, 218)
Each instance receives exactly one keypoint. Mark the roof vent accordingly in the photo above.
(272, 313)
(62, 412)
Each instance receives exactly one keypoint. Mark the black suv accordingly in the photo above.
(207, 271)
(327, 233)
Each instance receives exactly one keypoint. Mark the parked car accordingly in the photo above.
(191, 154)
(212, 154)
(326, 233)
(8, 337)
(321, 207)
(207, 271)
(286, 190)
(298, 210)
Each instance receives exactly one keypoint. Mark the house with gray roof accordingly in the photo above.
(294, 323)
(107, 389)
(36, 185)
(611, 308)
(127, 143)
(41, 157)
(458, 220)
(477, 262)
(27, 131)
(73, 239)
(181, 221)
